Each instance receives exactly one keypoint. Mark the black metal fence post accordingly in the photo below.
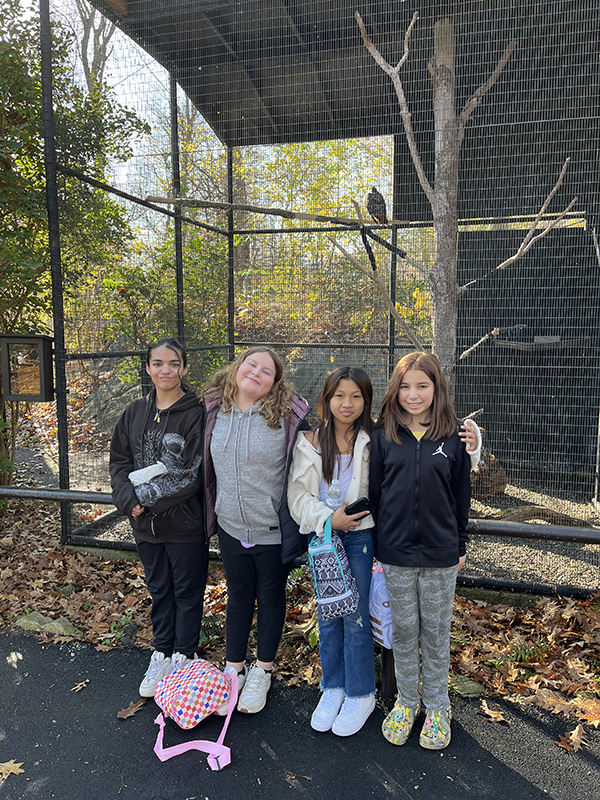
(176, 178)
(394, 257)
(231, 259)
(55, 262)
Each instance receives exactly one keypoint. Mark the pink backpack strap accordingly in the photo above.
(219, 755)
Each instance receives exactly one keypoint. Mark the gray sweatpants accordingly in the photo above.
(421, 601)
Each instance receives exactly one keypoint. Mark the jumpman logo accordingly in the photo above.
(440, 451)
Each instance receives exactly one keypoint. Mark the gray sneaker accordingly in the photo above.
(254, 694)
(160, 665)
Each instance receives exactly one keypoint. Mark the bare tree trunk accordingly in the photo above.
(442, 279)
(95, 40)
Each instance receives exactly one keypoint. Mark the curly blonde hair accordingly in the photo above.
(273, 406)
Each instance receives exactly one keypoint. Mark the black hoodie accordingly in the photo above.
(420, 491)
(173, 500)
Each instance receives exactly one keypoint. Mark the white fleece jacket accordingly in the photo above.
(305, 477)
(306, 473)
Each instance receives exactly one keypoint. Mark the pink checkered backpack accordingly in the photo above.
(187, 697)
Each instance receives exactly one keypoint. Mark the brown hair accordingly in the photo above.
(273, 406)
(444, 421)
(326, 433)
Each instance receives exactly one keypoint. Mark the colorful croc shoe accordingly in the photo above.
(398, 724)
(436, 731)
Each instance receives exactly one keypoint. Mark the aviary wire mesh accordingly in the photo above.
(312, 123)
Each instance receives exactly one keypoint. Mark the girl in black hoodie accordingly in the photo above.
(420, 488)
(155, 458)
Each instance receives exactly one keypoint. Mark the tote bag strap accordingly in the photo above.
(219, 755)
(327, 531)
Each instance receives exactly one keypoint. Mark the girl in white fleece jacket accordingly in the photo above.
(339, 449)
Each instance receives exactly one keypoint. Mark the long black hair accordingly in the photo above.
(329, 449)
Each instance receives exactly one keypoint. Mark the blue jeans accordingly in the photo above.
(346, 644)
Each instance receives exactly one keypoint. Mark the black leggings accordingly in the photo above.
(254, 573)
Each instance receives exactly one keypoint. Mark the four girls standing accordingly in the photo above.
(419, 487)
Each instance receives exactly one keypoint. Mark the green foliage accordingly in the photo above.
(92, 130)
(23, 249)
(296, 287)
(522, 653)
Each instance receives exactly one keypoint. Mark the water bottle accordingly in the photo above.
(334, 497)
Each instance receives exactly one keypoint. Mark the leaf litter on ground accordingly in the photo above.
(547, 655)
(10, 768)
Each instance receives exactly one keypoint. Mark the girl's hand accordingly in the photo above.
(461, 562)
(137, 510)
(468, 436)
(340, 521)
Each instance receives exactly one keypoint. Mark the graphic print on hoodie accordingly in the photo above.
(170, 449)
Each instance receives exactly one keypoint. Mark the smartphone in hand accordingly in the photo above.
(362, 504)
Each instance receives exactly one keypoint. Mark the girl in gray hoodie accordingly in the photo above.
(252, 418)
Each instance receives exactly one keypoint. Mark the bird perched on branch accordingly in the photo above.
(376, 206)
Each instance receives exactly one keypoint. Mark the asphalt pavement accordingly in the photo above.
(72, 745)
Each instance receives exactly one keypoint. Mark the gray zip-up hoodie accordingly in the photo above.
(293, 544)
(249, 459)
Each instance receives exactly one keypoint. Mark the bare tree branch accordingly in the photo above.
(469, 350)
(358, 210)
(372, 275)
(394, 74)
(100, 30)
(277, 212)
(477, 96)
(530, 238)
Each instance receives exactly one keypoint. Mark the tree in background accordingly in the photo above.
(92, 130)
(442, 194)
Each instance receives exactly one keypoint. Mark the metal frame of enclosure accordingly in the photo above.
(263, 123)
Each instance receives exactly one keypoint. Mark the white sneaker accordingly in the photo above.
(160, 665)
(222, 711)
(325, 713)
(254, 694)
(178, 661)
(353, 715)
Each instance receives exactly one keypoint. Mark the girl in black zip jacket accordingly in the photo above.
(155, 458)
(420, 488)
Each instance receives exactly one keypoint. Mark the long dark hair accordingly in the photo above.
(329, 449)
(444, 421)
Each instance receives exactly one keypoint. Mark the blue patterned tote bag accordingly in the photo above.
(336, 590)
